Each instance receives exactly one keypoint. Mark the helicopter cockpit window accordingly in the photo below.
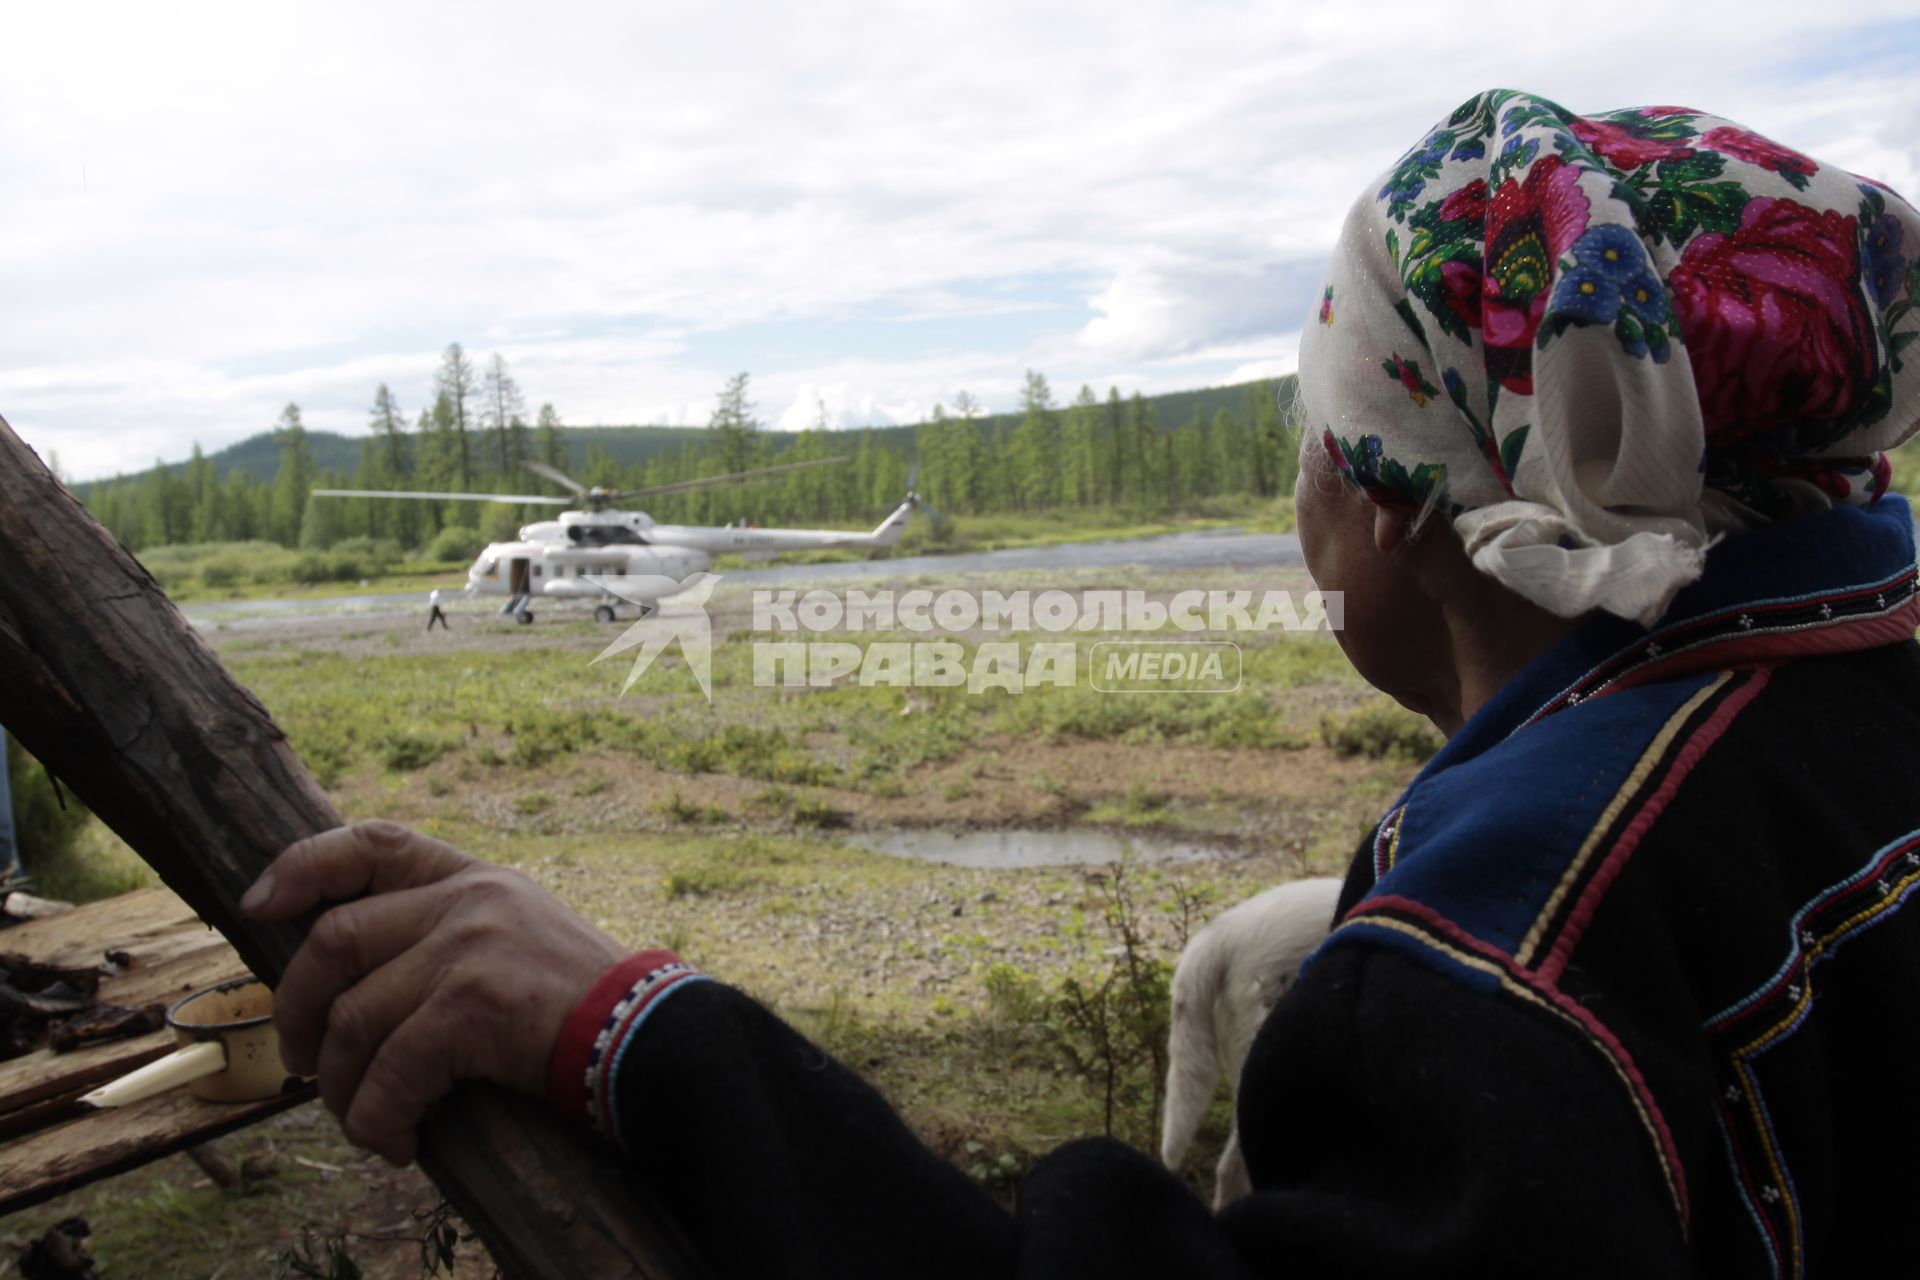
(490, 568)
(602, 535)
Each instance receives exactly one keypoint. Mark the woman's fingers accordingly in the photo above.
(361, 1023)
(413, 1068)
(440, 968)
(346, 862)
(345, 945)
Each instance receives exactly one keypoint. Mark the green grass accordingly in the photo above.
(1252, 716)
(527, 708)
(677, 808)
(1138, 806)
(195, 572)
(65, 852)
(95, 864)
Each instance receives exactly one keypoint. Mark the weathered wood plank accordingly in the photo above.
(35, 1077)
(107, 684)
(131, 922)
(43, 1073)
(173, 953)
(68, 1156)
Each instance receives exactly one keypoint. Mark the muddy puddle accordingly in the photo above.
(1004, 847)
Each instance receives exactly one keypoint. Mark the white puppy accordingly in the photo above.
(1229, 977)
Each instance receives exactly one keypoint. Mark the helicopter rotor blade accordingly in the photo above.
(732, 476)
(559, 477)
(920, 504)
(516, 499)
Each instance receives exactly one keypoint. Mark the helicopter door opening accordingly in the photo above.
(517, 577)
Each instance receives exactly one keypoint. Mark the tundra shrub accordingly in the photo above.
(223, 572)
(403, 751)
(1380, 730)
(456, 542)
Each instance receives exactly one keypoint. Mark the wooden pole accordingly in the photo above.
(106, 684)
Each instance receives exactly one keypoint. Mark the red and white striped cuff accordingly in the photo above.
(596, 1033)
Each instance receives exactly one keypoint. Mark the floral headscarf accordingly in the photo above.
(1598, 342)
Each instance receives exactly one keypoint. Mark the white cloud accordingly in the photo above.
(209, 215)
(837, 406)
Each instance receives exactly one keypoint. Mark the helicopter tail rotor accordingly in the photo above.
(940, 518)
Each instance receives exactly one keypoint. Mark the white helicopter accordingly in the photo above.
(575, 556)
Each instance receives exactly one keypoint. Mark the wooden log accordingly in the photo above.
(106, 684)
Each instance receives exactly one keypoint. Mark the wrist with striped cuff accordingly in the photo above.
(596, 1033)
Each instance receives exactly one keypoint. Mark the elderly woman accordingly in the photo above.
(1624, 984)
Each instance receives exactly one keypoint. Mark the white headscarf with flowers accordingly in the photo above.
(1596, 343)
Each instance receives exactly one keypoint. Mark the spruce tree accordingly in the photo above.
(322, 522)
(733, 425)
(241, 498)
(389, 426)
(163, 508)
(388, 462)
(202, 486)
(548, 442)
(501, 411)
(1036, 445)
(967, 458)
(1229, 466)
(434, 464)
(292, 481)
(455, 384)
(1119, 441)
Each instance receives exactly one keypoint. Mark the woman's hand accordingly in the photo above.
(436, 967)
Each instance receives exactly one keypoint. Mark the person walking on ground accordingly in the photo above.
(434, 612)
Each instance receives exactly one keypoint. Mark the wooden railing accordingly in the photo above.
(107, 685)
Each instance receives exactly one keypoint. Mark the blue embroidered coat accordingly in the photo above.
(1625, 984)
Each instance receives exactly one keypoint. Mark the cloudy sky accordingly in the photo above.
(208, 210)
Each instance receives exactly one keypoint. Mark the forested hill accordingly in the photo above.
(260, 455)
(1133, 454)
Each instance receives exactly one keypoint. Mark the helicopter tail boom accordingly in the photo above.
(748, 539)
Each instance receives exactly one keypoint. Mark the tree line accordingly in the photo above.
(1092, 452)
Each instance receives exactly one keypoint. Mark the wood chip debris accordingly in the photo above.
(55, 1006)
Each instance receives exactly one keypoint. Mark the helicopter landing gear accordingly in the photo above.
(604, 613)
(524, 617)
